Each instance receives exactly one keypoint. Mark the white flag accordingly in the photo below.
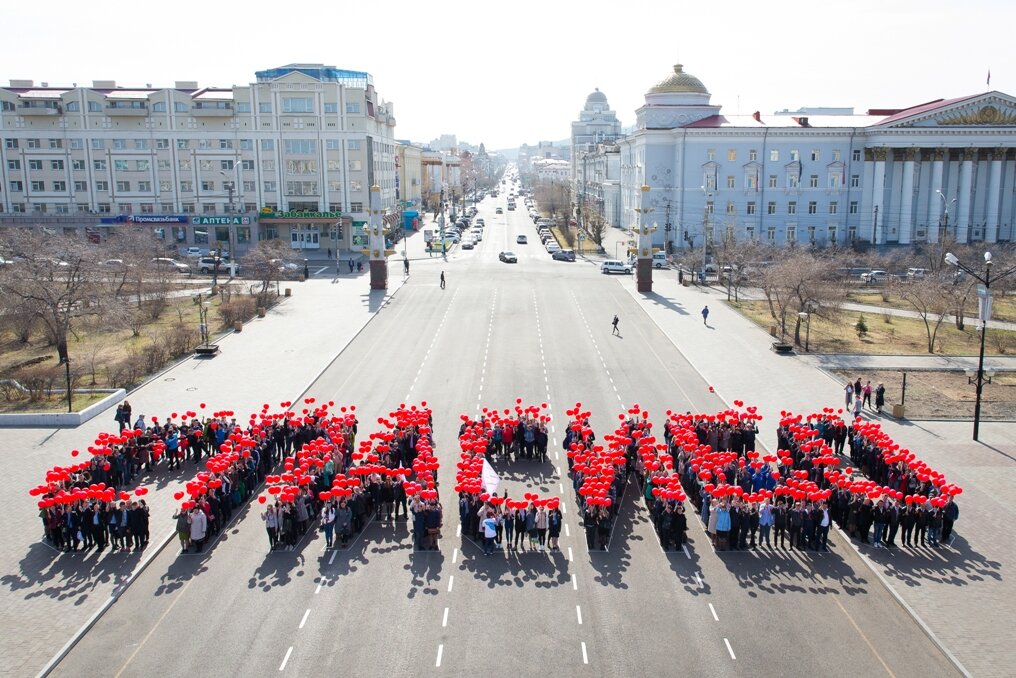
(489, 478)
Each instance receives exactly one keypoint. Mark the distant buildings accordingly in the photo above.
(946, 168)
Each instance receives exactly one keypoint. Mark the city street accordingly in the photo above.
(538, 330)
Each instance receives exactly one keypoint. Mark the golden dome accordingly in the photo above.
(679, 82)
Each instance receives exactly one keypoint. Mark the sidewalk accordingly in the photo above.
(50, 595)
(959, 592)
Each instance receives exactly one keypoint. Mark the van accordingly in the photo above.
(660, 260)
(916, 273)
(614, 266)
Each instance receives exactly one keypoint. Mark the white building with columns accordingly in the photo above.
(887, 177)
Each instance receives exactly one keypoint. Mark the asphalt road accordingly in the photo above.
(537, 330)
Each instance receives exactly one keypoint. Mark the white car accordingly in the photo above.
(614, 266)
(477, 234)
(552, 246)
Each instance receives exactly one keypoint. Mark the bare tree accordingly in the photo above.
(264, 264)
(929, 296)
(800, 282)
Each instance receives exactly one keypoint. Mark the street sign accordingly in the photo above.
(582, 236)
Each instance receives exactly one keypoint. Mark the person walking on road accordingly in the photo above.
(705, 315)
(405, 265)
(614, 323)
(442, 280)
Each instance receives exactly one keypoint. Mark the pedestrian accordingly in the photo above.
(705, 315)
(306, 272)
(879, 397)
(329, 252)
(442, 280)
(857, 407)
(405, 265)
(616, 331)
(359, 267)
(866, 392)
(848, 391)
(489, 532)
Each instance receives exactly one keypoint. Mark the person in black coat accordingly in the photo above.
(893, 516)
(780, 524)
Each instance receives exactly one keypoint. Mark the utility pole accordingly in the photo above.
(874, 228)
(666, 229)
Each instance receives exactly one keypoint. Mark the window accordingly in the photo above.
(249, 187)
(812, 207)
(709, 207)
(300, 146)
(815, 155)
(77, 144)
(835, 180)
(145, 186)
(162, 144)
(855, 181)
(164, 166)
(120, 165)
(356, 207)
(101, 185)
(18, 207)
(246, 144)
(186, 186)
(836, 156)
(793, 180)
(123, 186)
(732, 155)
(795, 155)
(774, 155)
(832, 234)
(833, 207)
(56, 143)
(353, 108)
(182, 144)
(119, 144)
(39, 208)
(207, 185)
(188, 208)
(752, 155)
(331, 144)
(226, 165)
(265, 107)
(771, 208)
(159, 107)
(355, 185)
(269, 187)
(180, 107)
(99, 165)
(331, 107)
(165, 186)
(225, 144)
(730, 181)
(206, 165)
(751, 208)
(335, 186)
(792, 207)
(35, 165)
(853, 207)
(268, 144)
(8, 106)
(78, 165)
(15, 186)
(98, 145)
(250, 207)
(82, 207)
(243, 107)
(142, 165)
(749, 232)
(301, 166)
(94, 107)
(773, 181)
(80, 186)
(709, 181)
(856, 155)
(353, 144)
(791, 233)
(731, 209)
(34, 143)
(147, 208)
(38, 186)
(208, 208)
(102, 208)
(247, 165)
(14, 165)
(167, 207)
(297, 104)
(268, 165)
(813, 181)
(11, 143)
(301, 188)
(751, 181)
(56, 164)
(141, 144)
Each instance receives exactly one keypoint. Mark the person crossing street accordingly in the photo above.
(614, 324)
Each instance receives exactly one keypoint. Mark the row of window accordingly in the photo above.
(833, 207)
(289, 105)
(150, 208)
(774, 155)
(294, 146)
(834, 180)
(292, 187)
(292, 166)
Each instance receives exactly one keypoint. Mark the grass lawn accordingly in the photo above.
(1003, 307)
(901, 336)
(56, 402)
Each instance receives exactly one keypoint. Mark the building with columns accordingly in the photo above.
(595, 161)
(291, 156)
(946, 168)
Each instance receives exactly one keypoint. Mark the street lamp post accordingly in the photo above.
(944, 225)
(984, 312)
(806, 316)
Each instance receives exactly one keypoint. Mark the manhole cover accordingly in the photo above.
(193, 388)
(170, 379)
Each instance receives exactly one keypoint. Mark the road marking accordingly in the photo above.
(318, 589)
(332, 559)
(574, 583)
(440, 651)
(455, 554)
(444, 620)
(698, 579)
(561, 487)
(713, 610)
(870, 646)
(569, 553)
(282, 667)
(458, 531)
(729, 649)
(304, 620)
(451, 582)
(578, 613)
(567, 532)
(684, 547)
(149, 635)
(585, 657)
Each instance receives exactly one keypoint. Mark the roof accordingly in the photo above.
(925, 108)
(679, 81)
(784, 121)
(214, 94)
(130, 93)
(43, 93)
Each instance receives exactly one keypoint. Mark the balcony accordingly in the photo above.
(40, 108)
(218, 109)
(113, 110)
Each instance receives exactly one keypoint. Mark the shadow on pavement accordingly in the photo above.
(546, 569)
(958, 565)
(660, 300)
(425, 570)
(610, 565)
(69, 576)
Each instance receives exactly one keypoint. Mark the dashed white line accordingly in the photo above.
(444, 620)
(458, 531)
(567, 532)
(684, 547)
(569, 553)
(282, 666)
(451, 582)
(455, 555)
(698, 579)
(585, 657)
(440, 651)
(713, 610)
(304, 620)
(318, 589)
(332, 559)
(574, 583)
(561, 487)
(729, 649)
(578, 613)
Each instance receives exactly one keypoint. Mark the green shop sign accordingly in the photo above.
(267, 214)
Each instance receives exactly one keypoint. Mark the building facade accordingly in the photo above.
(944, 169)
(291, 156)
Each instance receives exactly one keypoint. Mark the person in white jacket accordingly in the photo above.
(198, 528)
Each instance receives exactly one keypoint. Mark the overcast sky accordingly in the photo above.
(509, 73)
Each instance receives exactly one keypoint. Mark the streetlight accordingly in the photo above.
(806, 316)
(944, 226)
(705, 228)
(984, 312)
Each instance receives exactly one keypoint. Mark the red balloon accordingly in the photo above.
(262, 499)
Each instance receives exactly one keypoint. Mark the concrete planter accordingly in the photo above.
(62, 419)
(261, 311)
(238, 326)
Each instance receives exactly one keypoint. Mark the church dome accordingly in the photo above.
(596, 97)
(679, 82)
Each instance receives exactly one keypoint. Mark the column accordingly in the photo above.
(376, 242)
(994, 194)
(907, 199)
(935, 203)
(644, 235)
(963, 201)
(878, 197)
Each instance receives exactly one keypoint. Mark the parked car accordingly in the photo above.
(916, 273)
(477, 234)
(468, 244)
(521, 239)
(874, 276)
(563, 255)
(207, 264)
(499, 211)
(167, 264)
(480, 222)
(615, 266)
(113, 264)
(194, 253)
(552, 246)
(508, 257)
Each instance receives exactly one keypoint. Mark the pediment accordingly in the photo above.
(992, 109)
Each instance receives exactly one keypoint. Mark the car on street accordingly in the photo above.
(193, 252)
(916, 273)
(480, 222)
(476, 234)
(468, 244)
(874, 276)
(499, 211)
(615, 266)
(563, 255)
(660, 260)
(449, 235)
(522, 239)
(167, 264)
(552, 246)
(508, 257)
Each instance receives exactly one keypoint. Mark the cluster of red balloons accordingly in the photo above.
(598, 464)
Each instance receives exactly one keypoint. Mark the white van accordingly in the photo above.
(660, 260)
(615, 266)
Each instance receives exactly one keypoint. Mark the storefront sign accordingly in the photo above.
(156, 219)
(268, 214)
(220, 221)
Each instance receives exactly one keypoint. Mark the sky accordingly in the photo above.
(511, 73)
